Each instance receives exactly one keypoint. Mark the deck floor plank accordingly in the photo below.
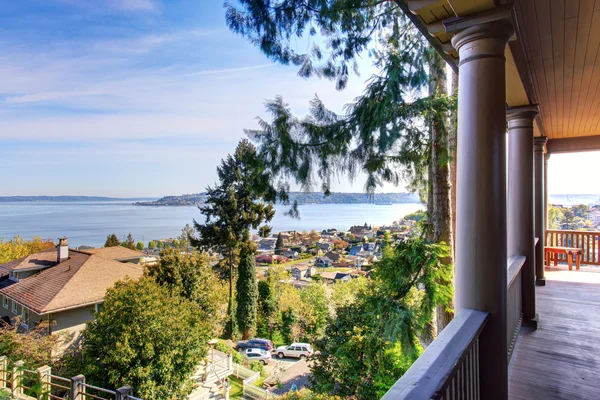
(560, 360)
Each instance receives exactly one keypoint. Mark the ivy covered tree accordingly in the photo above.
(112, 241)
(247, 292)
(146, 337)
(233, 208)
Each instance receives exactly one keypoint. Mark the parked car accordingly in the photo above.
(298, 350)
(257, 343)
(261, 355)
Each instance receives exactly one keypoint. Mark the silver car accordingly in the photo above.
(298, 350)
(258, 355)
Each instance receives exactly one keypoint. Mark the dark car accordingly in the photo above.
(264, 344)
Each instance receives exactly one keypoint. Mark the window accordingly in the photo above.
(99, 307)
(14, 307)
(5, 302)
(25, 315)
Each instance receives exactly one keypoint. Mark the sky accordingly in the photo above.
(143, 98)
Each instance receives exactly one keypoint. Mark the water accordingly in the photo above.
(88, 223)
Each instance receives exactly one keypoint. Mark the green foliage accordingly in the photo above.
(34, 347)
(279, 243)
(246, 293)
(152, 245)
(139, 246)
(112, 241)
(417, 216)
(258, 366)
(187, 233)
(236, 357)
(233, 208)
(129, 242)
(384, 133)
(346, 292)
(373, 340)
(317, 310)
(18, 248)
(146, 337)
(306, 394)
(192, 276)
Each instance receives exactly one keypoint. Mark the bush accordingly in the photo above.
(236, 357)
(222, 347)
(258, 366)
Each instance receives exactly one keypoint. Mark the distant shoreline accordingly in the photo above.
(300, 197)
(31, 199)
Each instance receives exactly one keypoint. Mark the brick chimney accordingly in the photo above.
(63, 249)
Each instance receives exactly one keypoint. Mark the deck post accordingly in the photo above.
(481, 194)
(546, 222)
(521, 239)
(540, 208)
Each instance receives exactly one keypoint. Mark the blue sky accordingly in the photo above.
(141, 97)
(132, 97)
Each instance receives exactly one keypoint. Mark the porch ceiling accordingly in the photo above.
(553, 62)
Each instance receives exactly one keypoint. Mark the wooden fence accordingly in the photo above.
(40, 384)
(588, 241)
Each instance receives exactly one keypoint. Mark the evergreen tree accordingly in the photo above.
(279, 243)
(112, 241)
(129, 242)
(397, 129)
(232, 208)
(246, 292)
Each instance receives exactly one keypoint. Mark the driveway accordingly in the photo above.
(287, 372)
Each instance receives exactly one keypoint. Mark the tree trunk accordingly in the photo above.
(452, 148)
(441, 218)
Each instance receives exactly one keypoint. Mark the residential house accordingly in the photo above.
(334, 257)
(289, 253)
(323, 262)
(267, 245)
(333, 277)
(354, 250)
(62, 285)
(325, 246)
(303, 272)
(362, 231)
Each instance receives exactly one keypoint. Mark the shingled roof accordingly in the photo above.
(43, 259)
(82, 279)
(114, 253)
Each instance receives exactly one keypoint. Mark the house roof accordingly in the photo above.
(82, 279)
(303, 267)
(114, 253)
(332, 276)
(43, 259)
(333, 256)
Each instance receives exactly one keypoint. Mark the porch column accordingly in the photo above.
(546, 222)
(520, 201)
(481, 194)
(540, 208)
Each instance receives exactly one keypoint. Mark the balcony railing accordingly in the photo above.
(588, 241)
(514, 313)
(449, 367)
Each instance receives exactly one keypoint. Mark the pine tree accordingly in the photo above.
(396, 130)
(246, 293)
(279, 243)
(232, 208)
(129, 242)
(112, 241)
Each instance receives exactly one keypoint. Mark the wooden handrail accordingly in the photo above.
(513, 267)
(588, 241)
(514, 303)
(454, 353)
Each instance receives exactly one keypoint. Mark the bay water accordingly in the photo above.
(88, 223)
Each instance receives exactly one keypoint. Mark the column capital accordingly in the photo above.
(492, 38)
(546, 157)
(522, 116)
(538, 143)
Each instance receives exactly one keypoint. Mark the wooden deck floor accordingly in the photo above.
(561, 360)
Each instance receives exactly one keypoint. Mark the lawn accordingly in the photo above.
(335, 269)
(237, 388)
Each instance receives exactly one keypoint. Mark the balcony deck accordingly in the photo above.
(561, 360)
